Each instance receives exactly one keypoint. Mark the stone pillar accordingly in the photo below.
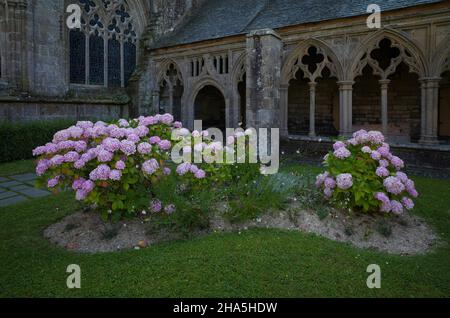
(122, 64)
(237, 106)
(170, 106)
(155, 101)
(87, 62)
(264, 49)
(105, 62)
(423, 109)
(346, 108)
(384, 105)
(284, 105)
(430, 110)
(188, 109)
(312, 109)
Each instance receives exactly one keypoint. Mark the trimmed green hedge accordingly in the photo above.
(19, 139)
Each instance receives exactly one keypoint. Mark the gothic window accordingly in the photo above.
(197, 66)
(221, 64)
(103, 51)
(114, 78)
(171, 91)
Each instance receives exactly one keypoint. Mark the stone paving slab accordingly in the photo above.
(19, 188)
(12, 200)
(34, 193)
(10, 184)
(7, 195)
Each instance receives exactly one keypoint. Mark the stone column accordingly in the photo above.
(238, 105)
(430, 110)
(155, 101)
(346, 108)
(170, 106)
(312, 109)
(188, 108)
(264, 50)
(105, 61)
(284, 107)
(122, 64)
(87, 62)
(423, 109)
(384, 105)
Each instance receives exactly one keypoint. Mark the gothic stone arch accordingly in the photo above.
(294, 63)
(398, 50)
(441, 58)
(410, 54)
(189, 111)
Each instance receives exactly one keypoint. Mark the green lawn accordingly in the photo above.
(256, 263)
(17, 167)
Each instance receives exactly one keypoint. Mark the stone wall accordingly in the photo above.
(298, 113)
(34, 49)
(29, 110)
(47, 50)
(327, 107)
(404, 110)
(432, 162)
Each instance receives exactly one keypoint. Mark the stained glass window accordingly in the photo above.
(114, 78)
(103, 20)
(96, 60)
(129, 59)
(77, 57)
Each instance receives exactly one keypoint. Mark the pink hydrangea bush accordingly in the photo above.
(114, 167)
(363, 174)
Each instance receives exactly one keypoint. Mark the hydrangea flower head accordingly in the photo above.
(394, 185)
(344, 181)
(342, 153)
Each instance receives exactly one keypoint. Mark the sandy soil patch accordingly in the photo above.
(408, 234)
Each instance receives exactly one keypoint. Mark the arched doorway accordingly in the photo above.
(210, 107)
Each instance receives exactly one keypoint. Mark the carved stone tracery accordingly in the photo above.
(384, 73)
(305, 56)
(110, 19)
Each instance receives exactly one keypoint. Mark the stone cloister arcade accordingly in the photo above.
(385, 83)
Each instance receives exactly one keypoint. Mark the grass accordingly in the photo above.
(255, 263)
(16, 167)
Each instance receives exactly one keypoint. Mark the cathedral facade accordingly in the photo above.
(314, 69)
